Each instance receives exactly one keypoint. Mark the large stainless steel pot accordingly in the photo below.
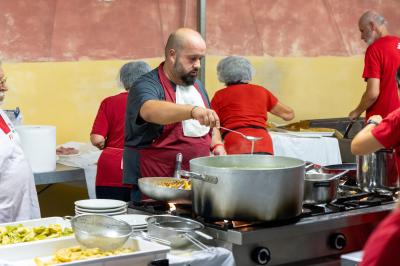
(248, 187)
(377, 171)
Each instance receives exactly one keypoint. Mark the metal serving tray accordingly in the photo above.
(24, 255)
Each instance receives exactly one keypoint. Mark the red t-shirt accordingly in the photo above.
(382, 60)
(241, 107)
(110, 123)
(388, 133)
(383, 246)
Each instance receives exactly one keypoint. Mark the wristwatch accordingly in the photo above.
(370, 121)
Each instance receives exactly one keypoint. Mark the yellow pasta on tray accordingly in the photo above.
(78, 253)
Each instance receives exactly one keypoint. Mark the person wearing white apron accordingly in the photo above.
(18, 197)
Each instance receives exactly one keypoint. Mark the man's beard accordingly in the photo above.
(186, 78)
(2, 94)
(371, 38)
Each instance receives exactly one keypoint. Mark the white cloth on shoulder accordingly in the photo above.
(190, 95)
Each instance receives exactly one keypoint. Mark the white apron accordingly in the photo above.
(18, 197)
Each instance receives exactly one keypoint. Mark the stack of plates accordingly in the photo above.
(137, 221)
(101, 206)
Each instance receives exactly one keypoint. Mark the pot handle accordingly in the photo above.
(196, 242)
(202, 177)
(339, 175)
(203, 235)
(322, 184)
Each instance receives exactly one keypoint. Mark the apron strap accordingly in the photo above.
(236, 128)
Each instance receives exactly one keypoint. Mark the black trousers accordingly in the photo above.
(117, 193)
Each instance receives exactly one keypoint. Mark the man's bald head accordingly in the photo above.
(184, 50)
(181, 38)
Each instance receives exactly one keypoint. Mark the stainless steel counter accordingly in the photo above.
(307, 242)
(62, 174)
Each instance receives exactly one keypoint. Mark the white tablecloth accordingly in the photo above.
(87, 159)
(318, 150)
(190, 257)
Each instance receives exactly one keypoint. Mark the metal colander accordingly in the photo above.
(100, 231)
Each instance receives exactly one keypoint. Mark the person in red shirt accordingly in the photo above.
(108, 135)
(379, 133)
(382, 59)
(383, 245)
(243, 107)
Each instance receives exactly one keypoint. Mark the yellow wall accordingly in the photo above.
(315, 87)
(68, 94)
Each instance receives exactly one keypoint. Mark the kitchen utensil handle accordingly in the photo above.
(178, 165)
(203, 235)
(196, 242)
(202, 177)
(339, 175)
(346, 133)
(322, 184)
(148, 237)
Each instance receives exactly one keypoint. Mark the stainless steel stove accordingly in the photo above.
(318, 237)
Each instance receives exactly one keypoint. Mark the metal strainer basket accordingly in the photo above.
(100, 231)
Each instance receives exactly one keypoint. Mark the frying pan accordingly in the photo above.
(152, 187)
(338, 168)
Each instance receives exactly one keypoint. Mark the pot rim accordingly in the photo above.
(176, 230)
(296, 162)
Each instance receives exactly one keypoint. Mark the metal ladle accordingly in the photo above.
(249, 138)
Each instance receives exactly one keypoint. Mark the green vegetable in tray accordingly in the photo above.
(12, 234)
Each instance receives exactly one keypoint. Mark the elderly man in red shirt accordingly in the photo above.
(382, 59)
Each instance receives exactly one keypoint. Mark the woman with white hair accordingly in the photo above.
(108, 135)
(243, 107)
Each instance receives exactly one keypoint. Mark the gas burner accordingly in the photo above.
(347, 203)
(162, 207)
(368, 200)
(310, 209)
(351, 201)
(151, 206)
(245, 225)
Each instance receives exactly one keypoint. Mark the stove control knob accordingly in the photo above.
(337, 241)
(261, 255)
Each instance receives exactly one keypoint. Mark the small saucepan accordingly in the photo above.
(321, 187)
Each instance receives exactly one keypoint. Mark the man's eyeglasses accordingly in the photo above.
(3, 81)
